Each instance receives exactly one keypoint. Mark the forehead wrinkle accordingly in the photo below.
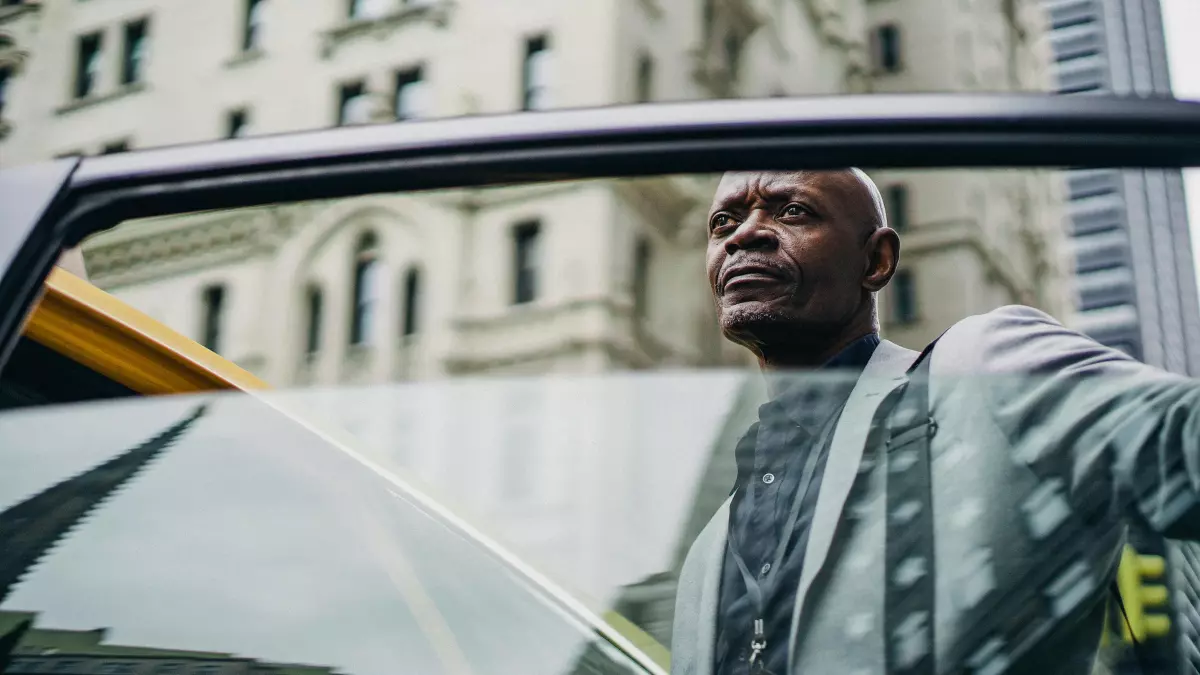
(766, 186)
(730, 190)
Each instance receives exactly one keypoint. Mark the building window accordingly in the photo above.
(641, 277)
(645, 78)
(885, 47)
(314, 302)
(354, 104)
(412, 301)
(896, 202)
(535, 74)
(236, 122)
(213, 300)
(733, 54)
(115, 147)
(904, 298)
(411, 92)
(87, 64)
(252, 25)
(367, 9)
(133, 57)
(708, 17)
(5, 77)
(366, 290)
(525, 261)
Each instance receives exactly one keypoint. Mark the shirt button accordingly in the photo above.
(768, 478)
(766, 568)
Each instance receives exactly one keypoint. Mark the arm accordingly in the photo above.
(1062, 397)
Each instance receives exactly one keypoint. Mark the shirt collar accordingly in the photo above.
(854, 357)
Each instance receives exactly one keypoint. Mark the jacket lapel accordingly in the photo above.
(710, 592)
(884, 372)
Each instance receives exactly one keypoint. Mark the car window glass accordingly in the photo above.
(218, 535)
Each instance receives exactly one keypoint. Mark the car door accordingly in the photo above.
(49, 208)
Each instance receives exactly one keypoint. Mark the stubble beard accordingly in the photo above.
(755, 327)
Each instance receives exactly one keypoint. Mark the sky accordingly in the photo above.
(1182, 19)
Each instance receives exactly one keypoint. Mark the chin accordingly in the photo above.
(752, 322)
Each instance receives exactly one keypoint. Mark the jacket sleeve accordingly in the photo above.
(1104, 416)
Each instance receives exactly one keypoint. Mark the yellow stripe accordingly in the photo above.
(640, 639)
(96, 330)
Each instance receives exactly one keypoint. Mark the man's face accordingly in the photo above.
(787, 253)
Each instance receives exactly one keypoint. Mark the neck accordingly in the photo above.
(807, 357)
(806, 354)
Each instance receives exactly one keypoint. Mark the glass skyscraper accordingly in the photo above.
(1134, 272)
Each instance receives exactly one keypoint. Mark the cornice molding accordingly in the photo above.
(664, 202)
(521, 315)
(154, 249)
(627, 357)
(471, 200)
(436, 13)
(632, 343)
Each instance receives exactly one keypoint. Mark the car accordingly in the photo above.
(246, 481)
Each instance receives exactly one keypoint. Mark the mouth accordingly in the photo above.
(751, 275)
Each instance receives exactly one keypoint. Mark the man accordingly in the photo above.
(1040, 444)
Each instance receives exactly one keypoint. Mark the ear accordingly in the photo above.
(882, 256)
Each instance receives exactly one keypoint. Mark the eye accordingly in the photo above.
(720, 220)
(793, 211)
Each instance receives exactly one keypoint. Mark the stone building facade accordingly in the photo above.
(396, 287)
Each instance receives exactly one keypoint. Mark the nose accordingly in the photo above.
(754, 233)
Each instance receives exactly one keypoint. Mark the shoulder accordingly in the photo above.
(1011, 318)
(1017, 338)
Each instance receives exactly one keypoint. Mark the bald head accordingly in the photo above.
(858, 195)
(795, 258)
(877, 217)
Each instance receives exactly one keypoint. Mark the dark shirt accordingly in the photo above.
(773, 453)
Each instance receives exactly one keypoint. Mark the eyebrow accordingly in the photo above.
(773, 192)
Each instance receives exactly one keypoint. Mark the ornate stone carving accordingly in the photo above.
(436, 13)
(154, 249)
(664, 202)
(714, 60)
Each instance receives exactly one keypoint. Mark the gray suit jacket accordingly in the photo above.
(1007, 388)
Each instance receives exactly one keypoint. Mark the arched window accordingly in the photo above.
(365, 299)
(412, 301)
(313, 305)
